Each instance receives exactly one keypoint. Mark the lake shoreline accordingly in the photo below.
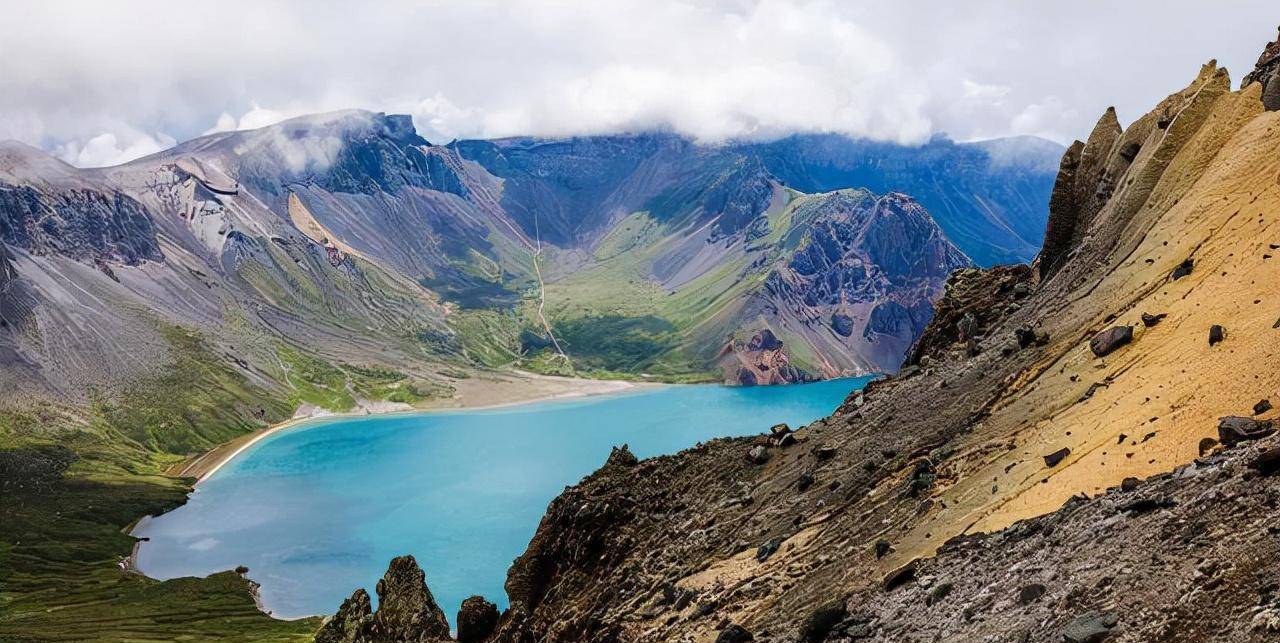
(516, 389)
(661, 428)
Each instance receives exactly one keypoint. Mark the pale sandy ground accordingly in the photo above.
(481, 391)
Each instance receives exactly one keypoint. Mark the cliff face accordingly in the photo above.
(855, 288)
(82, 224)
(1075, 443)
(988, 197)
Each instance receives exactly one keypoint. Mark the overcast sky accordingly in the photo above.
(101, 82)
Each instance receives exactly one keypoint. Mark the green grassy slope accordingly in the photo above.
(72, 484)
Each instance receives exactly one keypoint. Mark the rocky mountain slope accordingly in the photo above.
(649, 234)
(1080, 451)
(351, 220)
(658, 261)
(987, 196)
(821, 285)
(107, 259)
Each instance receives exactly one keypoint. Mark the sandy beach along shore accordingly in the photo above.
(482, 391)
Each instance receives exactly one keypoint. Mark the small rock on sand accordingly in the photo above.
(1054, 458)
(1149, 320)
(1183, 269)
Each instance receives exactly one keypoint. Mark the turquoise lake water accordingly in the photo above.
(318, 510)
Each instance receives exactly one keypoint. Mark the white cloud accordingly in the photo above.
(108, 149)
(438, 119)
(72, 71)
(1044, 118)
(984, 94)
(256, 117)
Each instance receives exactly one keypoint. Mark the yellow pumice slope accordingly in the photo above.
(1204, 185)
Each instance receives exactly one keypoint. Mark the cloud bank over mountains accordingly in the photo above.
(121, 80)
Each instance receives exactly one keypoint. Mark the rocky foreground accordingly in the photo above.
(1081, 450)
(1184, 556)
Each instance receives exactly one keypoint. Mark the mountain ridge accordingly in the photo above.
(440, 216)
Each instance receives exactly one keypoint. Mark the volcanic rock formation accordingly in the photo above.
(1011, 483)
(855, 289)
(407, 612)
(1267, 75)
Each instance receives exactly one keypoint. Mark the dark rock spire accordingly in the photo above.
(407, 612)
(1267, 73)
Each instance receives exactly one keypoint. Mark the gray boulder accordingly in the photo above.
(1234, 429)
(1093, 627)
(1109, 340)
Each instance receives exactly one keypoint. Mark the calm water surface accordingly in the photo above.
(316, 511)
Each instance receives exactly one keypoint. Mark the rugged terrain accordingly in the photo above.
(1081, 450)
(153, 311)
(646, 252)
(822, 285)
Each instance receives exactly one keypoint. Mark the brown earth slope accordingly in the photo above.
(1015, 404)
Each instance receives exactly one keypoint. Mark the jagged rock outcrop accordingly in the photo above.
(973, 302)
(1085, 181)
(81, 223)
(477, 618)
(406, 609)
(1267, 75)
(855, 289)
(621, 456)
(407, 612)
(352, 622)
